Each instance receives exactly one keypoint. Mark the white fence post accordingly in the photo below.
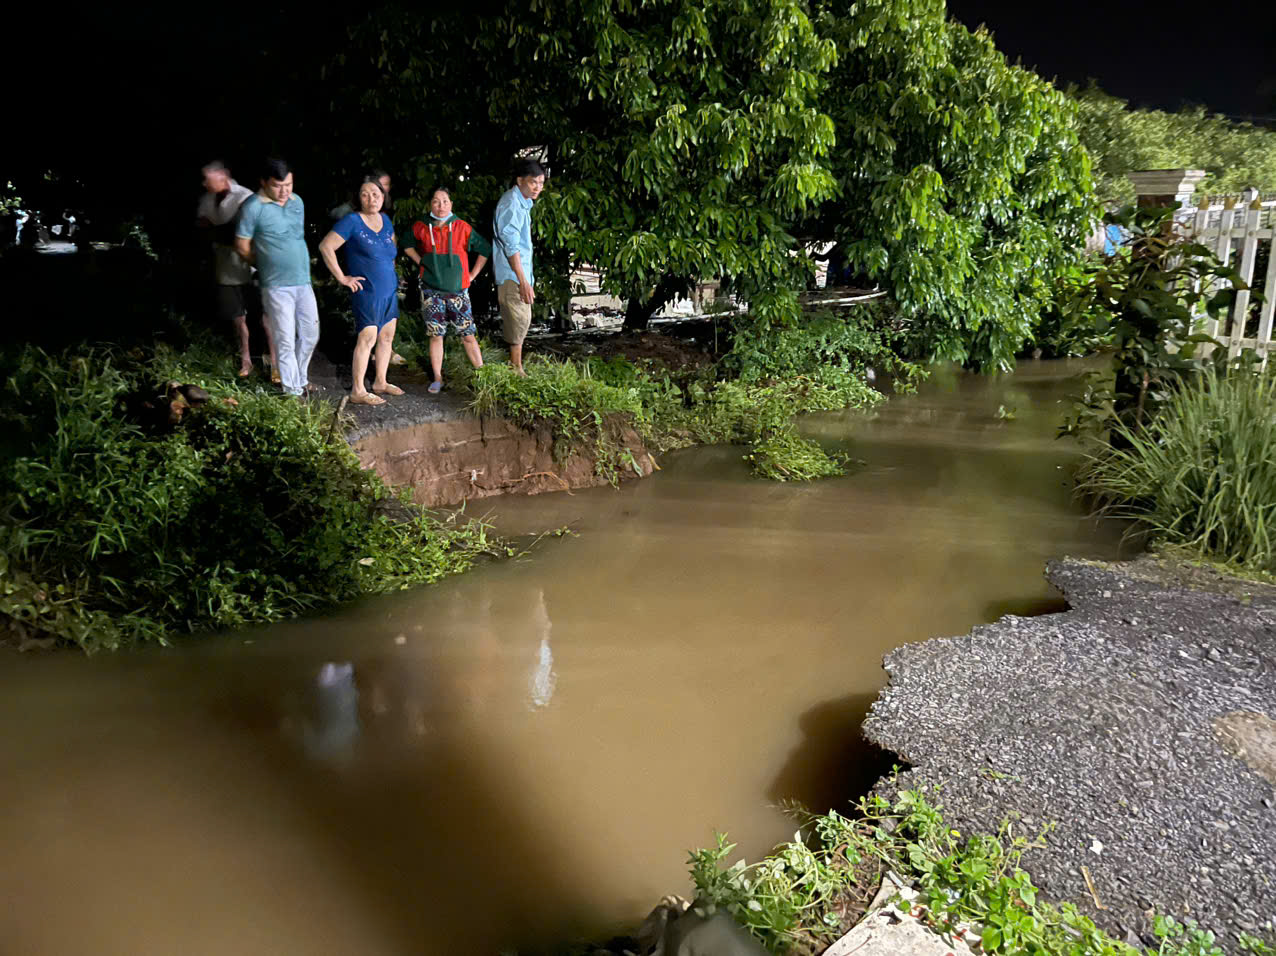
(1249, 214)
(1247, 221)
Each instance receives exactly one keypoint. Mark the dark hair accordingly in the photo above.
(275, 168)
(527, 167)
(440, 188)
(370, 178)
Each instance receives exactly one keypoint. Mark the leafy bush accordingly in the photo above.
(1121, 140)
(1149, 300)
(587, 400)
(1202, 473)
(825, 342)
(807, 893)
(248, 511)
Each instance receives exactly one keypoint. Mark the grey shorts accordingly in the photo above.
(230, 302)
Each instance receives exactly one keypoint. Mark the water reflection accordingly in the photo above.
(451, 770)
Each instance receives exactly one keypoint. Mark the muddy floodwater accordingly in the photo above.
(524, 754)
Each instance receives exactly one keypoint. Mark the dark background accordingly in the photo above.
(125, 103)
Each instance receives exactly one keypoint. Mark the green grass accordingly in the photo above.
(252, 509)
(1202, 473)
(588, 401)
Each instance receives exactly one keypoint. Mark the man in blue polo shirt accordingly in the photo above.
(271, 235)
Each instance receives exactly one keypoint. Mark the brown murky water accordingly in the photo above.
(524, 754)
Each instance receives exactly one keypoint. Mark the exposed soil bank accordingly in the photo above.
(436, 446)
(1140, 721)
(447, 462)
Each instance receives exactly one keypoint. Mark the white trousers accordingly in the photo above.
(294, 318)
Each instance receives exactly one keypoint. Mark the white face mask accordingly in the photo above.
(440, 218)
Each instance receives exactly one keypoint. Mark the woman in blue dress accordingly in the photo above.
(368, 238)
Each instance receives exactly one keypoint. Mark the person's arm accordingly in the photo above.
(245, 228)
(482, 249)
(413, 255)
(328, 247)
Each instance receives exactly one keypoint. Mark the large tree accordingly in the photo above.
(683, 137)
(697, 140)
(962, 189)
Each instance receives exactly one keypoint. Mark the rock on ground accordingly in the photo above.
(1140, 722)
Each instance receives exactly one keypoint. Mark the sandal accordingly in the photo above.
(388, 390)
(397, 359)
(435, 388)
(366, 398)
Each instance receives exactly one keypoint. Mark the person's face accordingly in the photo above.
(278, 189)
(370, 198)
(441, 204)
(385, 184)
(216, 180)
(531, 186)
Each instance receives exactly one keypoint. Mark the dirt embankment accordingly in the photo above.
(1140, 722)
(447, 462)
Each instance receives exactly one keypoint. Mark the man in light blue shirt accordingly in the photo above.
(271, 235)
(512, 256)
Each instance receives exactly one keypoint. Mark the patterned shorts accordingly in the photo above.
(447, 310)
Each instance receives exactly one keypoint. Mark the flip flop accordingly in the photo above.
(367, 398)
(397, 359)
(435, 388)
(388, 390)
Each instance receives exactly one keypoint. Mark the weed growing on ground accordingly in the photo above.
(250, 508)
(1202, 473)
(820, 365)
(809, 892)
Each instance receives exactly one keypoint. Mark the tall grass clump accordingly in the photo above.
(116, 529)
(1202, 473)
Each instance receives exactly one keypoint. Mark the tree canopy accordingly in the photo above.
(683, 138)
(961, 187)
(1121, 140)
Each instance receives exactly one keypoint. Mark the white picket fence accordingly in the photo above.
(1236, 227)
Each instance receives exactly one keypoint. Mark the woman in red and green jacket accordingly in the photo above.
(443, 248)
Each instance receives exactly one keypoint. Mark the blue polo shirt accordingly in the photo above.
(512, 228)
(279, 239)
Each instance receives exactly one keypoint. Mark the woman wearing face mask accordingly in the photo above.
(368, 236)
(443, 248)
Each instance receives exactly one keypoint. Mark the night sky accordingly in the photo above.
(1164, 55)
(178, 83)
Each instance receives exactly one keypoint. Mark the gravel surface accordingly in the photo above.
(1139, 721)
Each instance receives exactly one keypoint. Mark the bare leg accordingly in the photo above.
(516, 358)
(385, 343)
(436, 357)
(362, 346)
(471, 350)
(270, 342)
(245, 357)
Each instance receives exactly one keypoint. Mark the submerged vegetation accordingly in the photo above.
(749, 397)
(809, 892)
(128, 516)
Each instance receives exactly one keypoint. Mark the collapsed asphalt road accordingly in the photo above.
(1140, 722)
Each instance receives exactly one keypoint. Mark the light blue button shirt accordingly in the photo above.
(512, 228)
